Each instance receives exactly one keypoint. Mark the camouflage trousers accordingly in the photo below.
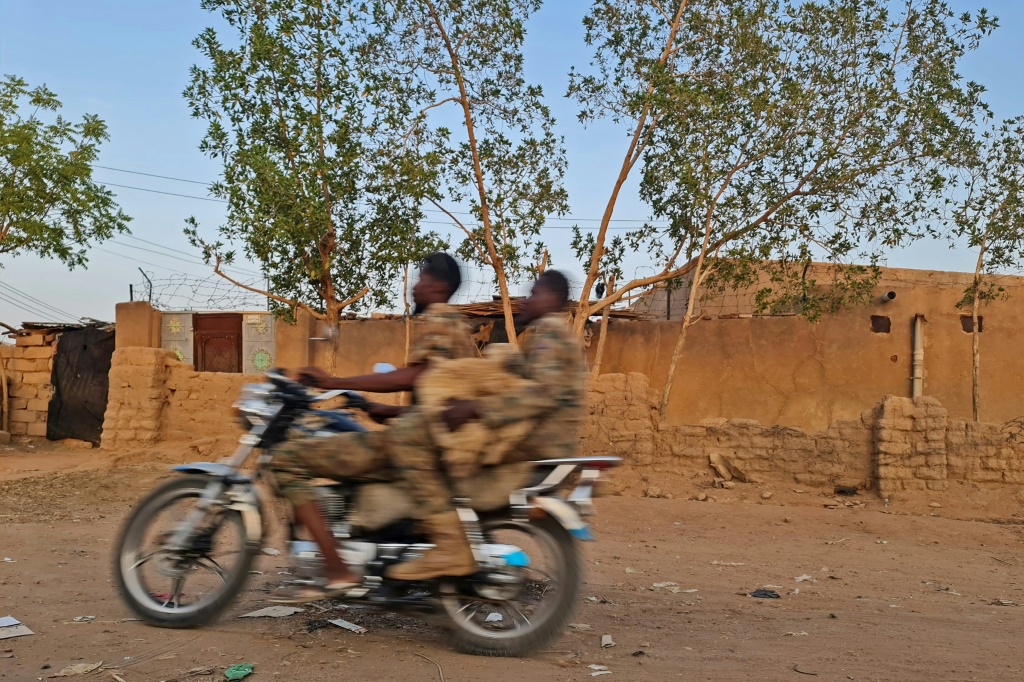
(404, 450)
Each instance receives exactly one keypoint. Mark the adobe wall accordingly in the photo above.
(785, 370)
(29, 368)
(898, 447)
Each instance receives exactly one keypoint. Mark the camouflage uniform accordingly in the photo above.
(553, 367)
(405, 444)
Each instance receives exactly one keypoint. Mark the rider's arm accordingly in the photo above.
(388, 382)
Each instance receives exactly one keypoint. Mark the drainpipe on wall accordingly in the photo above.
(917, 364)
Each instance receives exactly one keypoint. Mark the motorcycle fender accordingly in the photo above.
(243, 497)
(562, 512)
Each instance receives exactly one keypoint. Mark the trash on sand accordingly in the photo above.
(607, 641)
(9, 560)
(805, 578)
(630, 570)
(638, 653)
(949, 590)
(358, 629)
(270, 551)
(273, 612)
(239, 671)
(881, 542)
(765, 594)
(727, 563)
(494, 618)
(582, 627)
(661, 586)
(595, 666)
(196, 672)
(12, 627)
(796, 634)
(836, 542)
(601, 672)
(1003, 602)
(84, 619)
(846, 490)
(78, 669)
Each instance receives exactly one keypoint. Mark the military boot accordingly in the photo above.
(451, 554)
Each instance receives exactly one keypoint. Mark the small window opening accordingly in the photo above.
(967, 322)
(881, 324)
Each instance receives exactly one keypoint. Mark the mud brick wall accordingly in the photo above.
(29, 368)
(199, 403)
(910, 438)
(623, 421)
(137, 396)
(985, 453)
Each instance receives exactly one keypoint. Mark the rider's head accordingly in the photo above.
(440, 277)
(549, 295)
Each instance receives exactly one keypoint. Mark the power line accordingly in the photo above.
(172, 194)
(41, 317)
(153, 175)
(33, 299)
(426, 210)
(196, 261)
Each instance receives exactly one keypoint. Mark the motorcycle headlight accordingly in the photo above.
(253, 404)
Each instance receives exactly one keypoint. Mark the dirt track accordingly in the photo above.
(892, 596)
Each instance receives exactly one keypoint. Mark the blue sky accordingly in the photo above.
(127, 61)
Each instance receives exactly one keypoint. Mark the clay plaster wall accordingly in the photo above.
(897, 447)
(29, 368)
(785, 370)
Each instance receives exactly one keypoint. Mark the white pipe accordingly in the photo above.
(917, 364)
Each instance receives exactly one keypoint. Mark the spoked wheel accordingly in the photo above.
(522, 609)
(180, 588)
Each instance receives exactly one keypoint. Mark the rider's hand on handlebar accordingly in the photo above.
(311, 376)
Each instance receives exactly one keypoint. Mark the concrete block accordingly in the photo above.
(19, 428)
(39, 405)
(37, 378)
(19, 404)
(23, 416)
(37, 429)
(38, 352)
(24, 391)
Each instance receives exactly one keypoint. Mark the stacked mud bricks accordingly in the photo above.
(29, 368)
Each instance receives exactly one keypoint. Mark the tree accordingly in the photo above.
(990, 218)
(312, 196)
(449, 76)
(49, 203)
(775, 132)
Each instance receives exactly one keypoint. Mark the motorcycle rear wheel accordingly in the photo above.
(530, 621)
(172, 609)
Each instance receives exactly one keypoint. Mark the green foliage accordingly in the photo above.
(447, 80)
(315, 195)
(990, 215)
(49, 204)
(781, 132)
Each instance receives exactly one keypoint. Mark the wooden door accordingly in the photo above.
(218, 342)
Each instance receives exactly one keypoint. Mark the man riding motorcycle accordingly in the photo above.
(445, 335)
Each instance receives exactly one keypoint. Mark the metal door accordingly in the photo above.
(217, 342)
(80, 382)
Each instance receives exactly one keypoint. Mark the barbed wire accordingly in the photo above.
(182, 291)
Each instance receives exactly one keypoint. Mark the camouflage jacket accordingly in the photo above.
(444, 334)
(551, 363)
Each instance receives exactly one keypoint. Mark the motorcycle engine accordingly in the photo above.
(332, 505)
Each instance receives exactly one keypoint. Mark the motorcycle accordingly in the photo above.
(187, 549)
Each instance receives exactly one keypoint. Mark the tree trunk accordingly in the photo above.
(975, 360)
(331, 332)
(975, 332)
(506, 305)
(677, 352)
(599, 354)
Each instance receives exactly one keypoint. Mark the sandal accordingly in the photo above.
(304, 594)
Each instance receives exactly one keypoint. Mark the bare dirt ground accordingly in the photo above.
(899, 592)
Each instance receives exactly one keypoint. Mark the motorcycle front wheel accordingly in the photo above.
(181, 588)
(522, 609)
